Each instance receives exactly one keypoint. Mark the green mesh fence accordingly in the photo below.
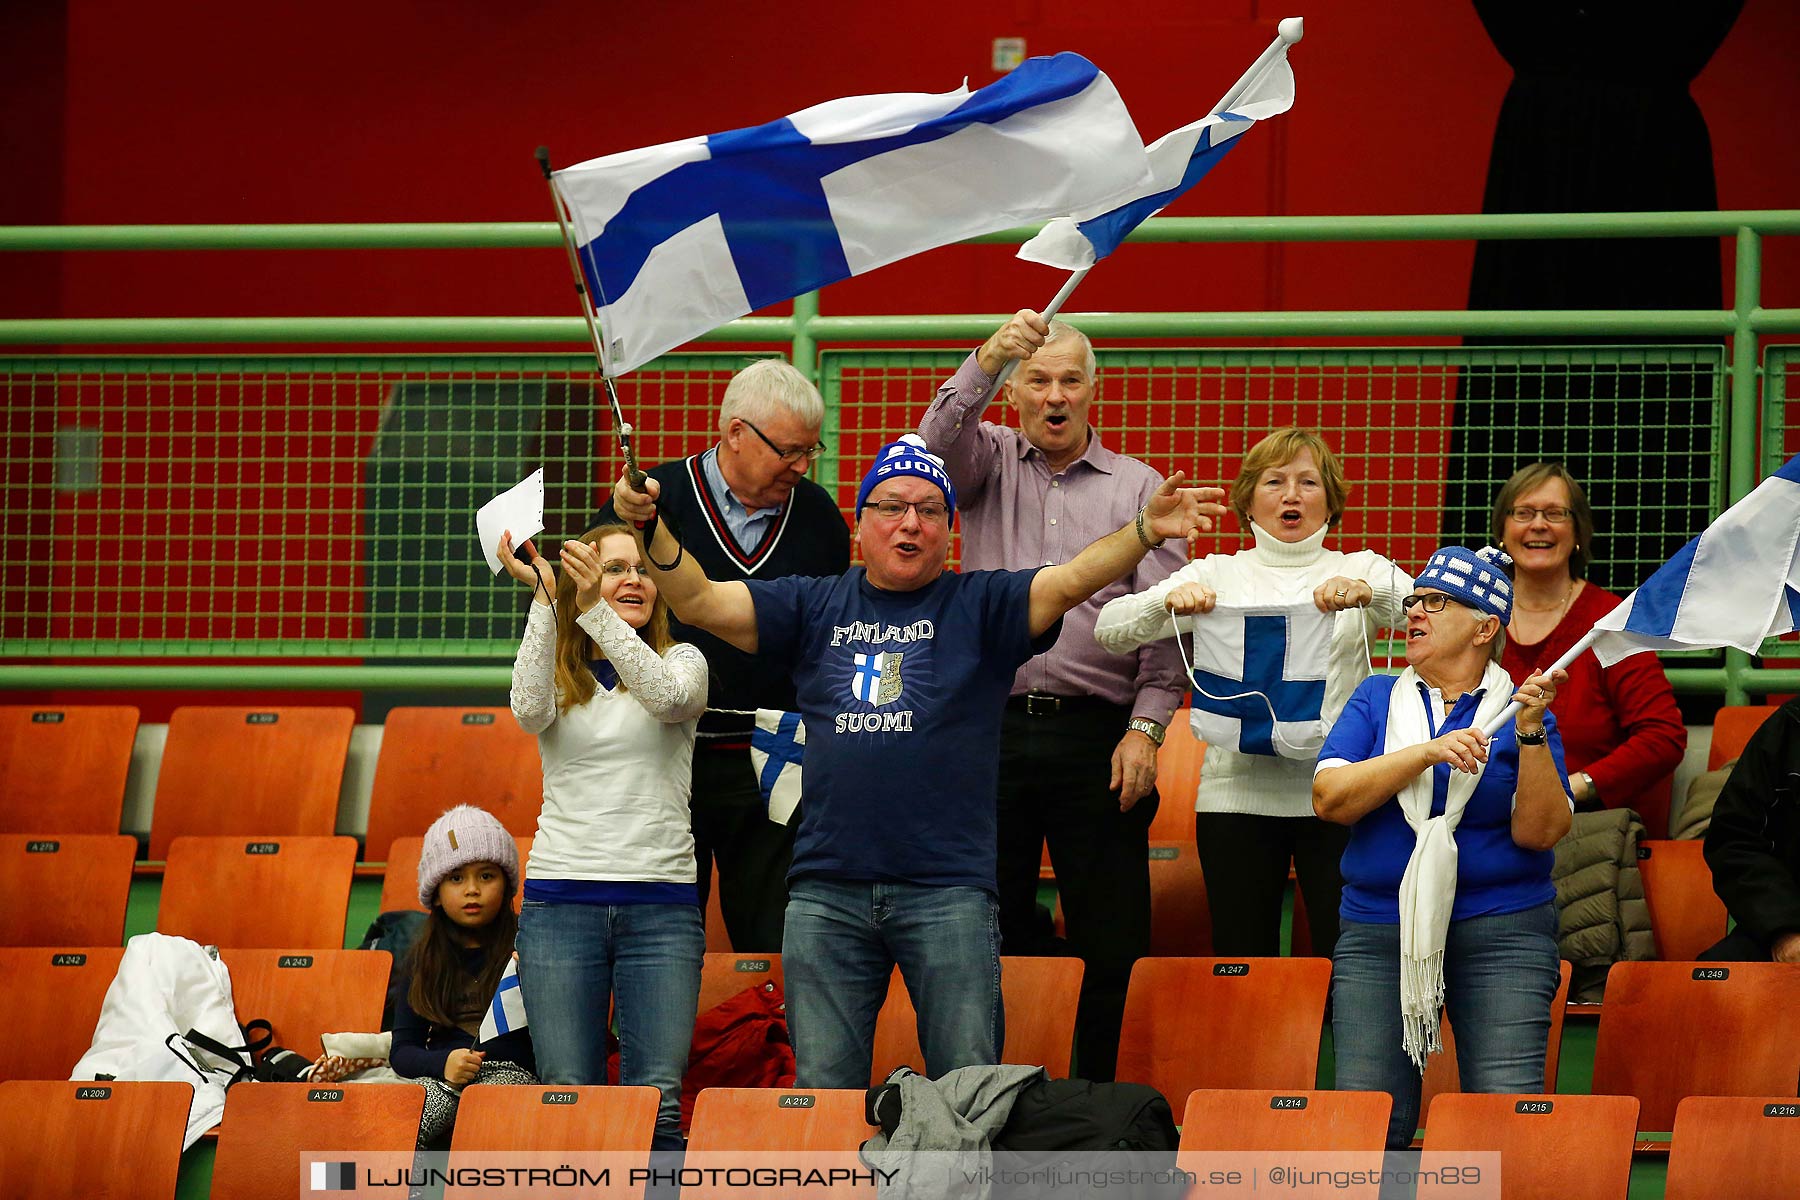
(1780, 442)
(319, 506)
(1427, 435)
(324, 506)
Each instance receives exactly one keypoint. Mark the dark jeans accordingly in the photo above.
(1054, 776)
(1245, 860)
(1500, 975)
(731, 825)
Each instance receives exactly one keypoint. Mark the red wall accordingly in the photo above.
(401, 111)
(396, 110)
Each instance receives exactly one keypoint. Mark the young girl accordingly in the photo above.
(611, 908)
(468, 873)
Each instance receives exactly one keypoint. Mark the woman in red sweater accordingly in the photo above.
(1622, 733)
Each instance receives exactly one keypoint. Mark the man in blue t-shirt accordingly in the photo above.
(902, 669)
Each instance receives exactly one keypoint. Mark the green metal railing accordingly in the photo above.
(320, 506)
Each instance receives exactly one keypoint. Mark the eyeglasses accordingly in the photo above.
(1524, 514)
(617, 568)
(1432, 601)
(930, 511)
(791, 457)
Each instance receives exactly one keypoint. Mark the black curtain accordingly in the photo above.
(1598, 119)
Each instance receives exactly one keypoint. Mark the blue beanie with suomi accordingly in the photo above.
(1476, 577)
(908, 456)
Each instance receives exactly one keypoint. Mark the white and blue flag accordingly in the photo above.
(506, 1012)
(1178, 160)
(777, 746)
(675, 240)
(1258, 674)
(1734, 585)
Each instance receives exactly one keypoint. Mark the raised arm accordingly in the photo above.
(1542, 810)
(724, 610)
(952, 427)
(1173, 512)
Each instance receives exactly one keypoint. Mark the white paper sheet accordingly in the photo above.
(519, 508)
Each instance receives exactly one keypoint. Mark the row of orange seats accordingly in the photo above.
(65, 1139)
(1667, 1030)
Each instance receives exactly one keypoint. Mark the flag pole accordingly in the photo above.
(621, 427)
(1289, 31)
(1494, 726)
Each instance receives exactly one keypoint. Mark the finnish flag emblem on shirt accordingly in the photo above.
(877, 678)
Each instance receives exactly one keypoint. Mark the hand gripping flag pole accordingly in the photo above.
(1288, 32)
(621, 427)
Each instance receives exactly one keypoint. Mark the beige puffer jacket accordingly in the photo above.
(1600, 899)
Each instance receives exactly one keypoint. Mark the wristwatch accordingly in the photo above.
(1149, 729)
(1536, 737)
(1593, 793)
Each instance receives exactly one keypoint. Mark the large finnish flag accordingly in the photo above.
(677, 239)
(777, 749)
(506, 1012)
(1734, 585)
(1178, 160)
(1258, 675)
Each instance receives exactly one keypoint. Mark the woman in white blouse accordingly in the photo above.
(1254, 810)
(610, 906)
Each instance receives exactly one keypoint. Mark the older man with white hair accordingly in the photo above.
(748, 511)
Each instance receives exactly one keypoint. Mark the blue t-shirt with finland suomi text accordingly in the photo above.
(902, 695)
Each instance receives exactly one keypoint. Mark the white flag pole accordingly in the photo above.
(1289, 31)
(621, 427)
(1574, 652)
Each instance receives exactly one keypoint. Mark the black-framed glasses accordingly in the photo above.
(791, 457)
(1434, 602)
(931, 512)
(1524, 514)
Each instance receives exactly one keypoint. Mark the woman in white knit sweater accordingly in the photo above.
(610, 907)
(1254, 811)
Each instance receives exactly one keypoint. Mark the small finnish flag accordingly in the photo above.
(333, 1177)
(777, 745)
(1258, 674)
(507, 1010)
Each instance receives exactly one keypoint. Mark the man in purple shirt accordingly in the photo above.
(1079, 742)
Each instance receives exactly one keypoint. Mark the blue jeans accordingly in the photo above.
(647, 958)
(840, 945)
(1500, 975)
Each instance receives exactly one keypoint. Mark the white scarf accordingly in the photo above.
(1428, 889)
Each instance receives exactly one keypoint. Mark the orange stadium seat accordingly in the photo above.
(1178, 766)
(55, 996)
(724, 974)
(110, 1139)
(1193, 1023)
(1732, 728)
(1570, 1147)
(261, 772)
(1670, 1030)
(63, 769)
(1039, 996)
(433, 759)
(306, 993)
(284, 893)
(807, 1129)
(1180, 918)
(557, 1120)
(1218, 1120)
(1745, 1147)
(1686, 915)
(268, 1127)
(64, 890)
